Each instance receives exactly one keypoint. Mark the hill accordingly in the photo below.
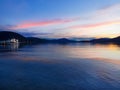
(115, 40)
(6, 35)
(34, 40)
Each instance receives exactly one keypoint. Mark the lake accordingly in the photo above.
(60, 67)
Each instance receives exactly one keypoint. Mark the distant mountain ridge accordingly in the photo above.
(35, 40)
(5, 35)
(115, 40)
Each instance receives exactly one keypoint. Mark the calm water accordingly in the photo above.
(60, 67)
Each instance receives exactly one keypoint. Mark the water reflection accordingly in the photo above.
(50, 67)
(110, 46)
(9, 47)
(50, 51)
(110, 51)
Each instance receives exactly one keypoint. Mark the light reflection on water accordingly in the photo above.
(93, 51)
(60, 67)
(9, 47)
(50, 51)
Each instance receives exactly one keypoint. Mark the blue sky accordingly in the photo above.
(56, 18)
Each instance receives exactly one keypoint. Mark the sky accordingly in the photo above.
(61, 18)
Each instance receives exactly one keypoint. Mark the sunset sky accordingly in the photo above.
(61, 18)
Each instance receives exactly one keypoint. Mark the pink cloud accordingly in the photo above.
(107, 23)
(43, 23)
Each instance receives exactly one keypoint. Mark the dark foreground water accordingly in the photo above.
(60, 67)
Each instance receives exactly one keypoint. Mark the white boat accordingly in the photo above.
(14, 41)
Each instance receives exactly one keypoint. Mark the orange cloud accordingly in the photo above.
(43, 23)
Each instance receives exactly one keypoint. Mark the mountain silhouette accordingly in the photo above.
(35, 40)
(7, 35)
(101, 40)
(115, 40)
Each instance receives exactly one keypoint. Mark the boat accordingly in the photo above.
(6, 42)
